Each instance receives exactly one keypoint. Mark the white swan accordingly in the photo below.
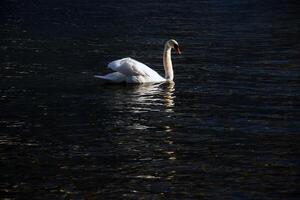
(131, 71)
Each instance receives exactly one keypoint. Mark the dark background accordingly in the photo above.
(228, 128)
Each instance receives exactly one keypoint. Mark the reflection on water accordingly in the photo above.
(147, 110)
(169, 97)
(143, 100)
(151, 97)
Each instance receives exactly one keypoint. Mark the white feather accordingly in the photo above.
(116, 77)
(133, 71)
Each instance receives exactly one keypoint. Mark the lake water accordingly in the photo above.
(227, 129)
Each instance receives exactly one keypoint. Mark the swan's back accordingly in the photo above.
(135, 71)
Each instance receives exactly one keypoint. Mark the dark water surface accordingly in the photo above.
(228, 129)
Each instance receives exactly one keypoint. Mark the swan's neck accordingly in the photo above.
(169, 75)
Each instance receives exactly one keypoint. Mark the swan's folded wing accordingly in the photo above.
(129, 67)
(116, 77)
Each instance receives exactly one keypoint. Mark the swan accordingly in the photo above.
(132, 71)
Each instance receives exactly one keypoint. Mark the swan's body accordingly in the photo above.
(132, 71)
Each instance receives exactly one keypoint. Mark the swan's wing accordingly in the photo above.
(115, 77)
(130, 67)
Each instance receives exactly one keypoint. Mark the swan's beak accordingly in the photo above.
(177, 49)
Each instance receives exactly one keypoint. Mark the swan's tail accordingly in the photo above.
(115, 77)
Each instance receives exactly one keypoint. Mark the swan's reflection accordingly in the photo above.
(147, 112)
(169, 97)
(149, 100)
(168, 130)
(152, 97)
(160, 98)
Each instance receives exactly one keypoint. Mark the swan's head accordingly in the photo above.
(173, 44)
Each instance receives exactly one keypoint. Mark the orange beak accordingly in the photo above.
(177, 49)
